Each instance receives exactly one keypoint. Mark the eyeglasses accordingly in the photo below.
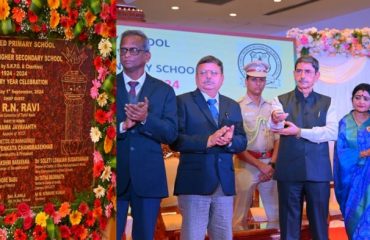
(212, 72)
(133, 51)
(306, 71)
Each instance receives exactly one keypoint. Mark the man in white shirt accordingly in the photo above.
(146, 117)
(210, 132)
(306, 121)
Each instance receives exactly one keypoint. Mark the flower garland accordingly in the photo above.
(348, 42)
(91, 22)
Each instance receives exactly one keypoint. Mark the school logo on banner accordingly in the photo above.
(265, 54)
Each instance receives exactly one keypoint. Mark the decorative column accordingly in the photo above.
(74, 88)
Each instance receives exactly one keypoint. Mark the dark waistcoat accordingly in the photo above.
(300, 159)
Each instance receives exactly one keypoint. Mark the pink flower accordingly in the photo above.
(57, 218)
(102, 73)
(3, 234)
(96, 83)
(113, 179)
(304, 40)
(97, 157)
(108, 210)
(94, 93)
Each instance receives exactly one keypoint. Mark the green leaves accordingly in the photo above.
(6, 27)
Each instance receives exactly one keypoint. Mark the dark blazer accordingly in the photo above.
(201, 169)
(139, 153)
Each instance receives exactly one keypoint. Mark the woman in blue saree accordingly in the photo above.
(352, 165)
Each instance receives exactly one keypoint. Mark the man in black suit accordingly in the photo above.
(146, 117)
(210, 132)
(306, 121)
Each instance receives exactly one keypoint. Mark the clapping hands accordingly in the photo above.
(136, 113)
(221, 137)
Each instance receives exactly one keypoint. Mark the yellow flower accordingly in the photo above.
(102, 99)
(54, 19)
(95, 134)
(53, 4)
(105, 47)
(75, 217)
(41, 218)
(99, 191)
(4, 9)
(106, 175)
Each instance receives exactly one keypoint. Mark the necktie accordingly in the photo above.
(211, 103)
(132, 92)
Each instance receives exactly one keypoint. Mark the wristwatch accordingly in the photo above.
(272, 164)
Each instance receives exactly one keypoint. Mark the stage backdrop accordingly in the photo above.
(175, 54)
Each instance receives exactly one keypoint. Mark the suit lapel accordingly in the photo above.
(147, 88)
(123, 96)
(223, 114)
(203, 106)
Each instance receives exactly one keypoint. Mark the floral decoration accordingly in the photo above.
(347, 42)
(88, 22)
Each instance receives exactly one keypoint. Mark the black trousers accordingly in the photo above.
(291, 198)
(144, 212)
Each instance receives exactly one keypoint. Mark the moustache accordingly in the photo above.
(302, 80)
(208, 81)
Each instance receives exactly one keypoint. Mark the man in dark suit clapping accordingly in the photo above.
(210, 131)
(146, 117)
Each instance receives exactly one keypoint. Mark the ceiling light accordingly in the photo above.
(233, 14)
(277, 0)
(175, 7)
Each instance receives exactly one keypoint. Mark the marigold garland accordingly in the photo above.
(89, 22)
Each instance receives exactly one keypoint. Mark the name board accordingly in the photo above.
(45, 115)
